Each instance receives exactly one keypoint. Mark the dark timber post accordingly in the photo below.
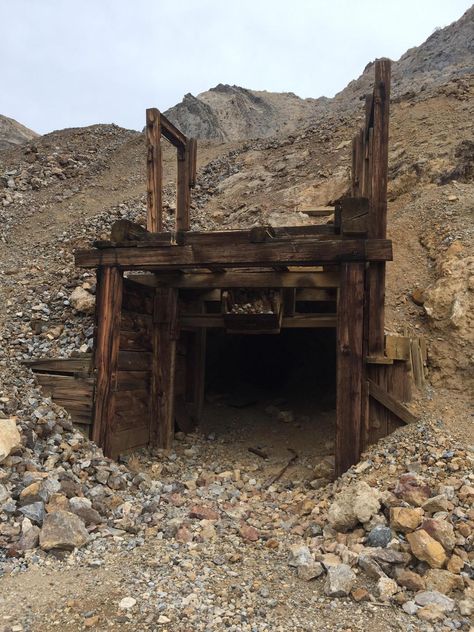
(108, 310)
(350, 365)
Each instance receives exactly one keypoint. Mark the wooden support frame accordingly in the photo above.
(157, 125)
(138, 322)
(350, 366)
(106, 355)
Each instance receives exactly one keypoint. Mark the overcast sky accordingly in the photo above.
(68, 63)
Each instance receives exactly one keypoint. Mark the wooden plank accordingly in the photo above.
(154, 170)
(127, 440)
(61, 365)
(109, 304)
(132, 380)
(183, 190)
(163, 367)
(135, 340)
(246, 279)
(397, 347)
(354, 216)
(134, 360)
(393, 405)
(310, 252)
(378, 360)
(350, 366)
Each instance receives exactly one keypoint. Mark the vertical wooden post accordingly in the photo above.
(183, 188)
(350, 365)
(378, 202)
(108, 310)
(163, 367)
(154, 219)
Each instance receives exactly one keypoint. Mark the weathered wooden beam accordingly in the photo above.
(164, 335)
(106, 356)
(308, 252)
(350, 365)
(378, 202)
(172, 133)
(392, 404)
(154, 170)
(246, 279)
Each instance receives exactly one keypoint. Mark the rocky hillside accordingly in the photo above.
(229, 113)
(13, 133)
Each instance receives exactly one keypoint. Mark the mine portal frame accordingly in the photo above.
(149, 345)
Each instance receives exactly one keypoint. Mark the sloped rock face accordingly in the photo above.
(13, 133)
(196, 119)
(229, 113)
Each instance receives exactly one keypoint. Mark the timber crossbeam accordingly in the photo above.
(312, 251)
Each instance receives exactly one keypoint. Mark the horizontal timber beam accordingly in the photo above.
(172, 133)
(299, 321)
(309, 252)
(246, 279)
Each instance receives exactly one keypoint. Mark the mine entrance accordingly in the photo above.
(272, 392)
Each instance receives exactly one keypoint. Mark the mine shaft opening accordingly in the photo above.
(272, 392)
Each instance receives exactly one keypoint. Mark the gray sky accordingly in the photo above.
(68, 63)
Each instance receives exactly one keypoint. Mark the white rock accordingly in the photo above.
(429, 597)
(410, 607)
(386, 588)
(126, 603)
(340, 581)
(9, 437)
(299, 555)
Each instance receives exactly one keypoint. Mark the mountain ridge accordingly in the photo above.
(231, 113)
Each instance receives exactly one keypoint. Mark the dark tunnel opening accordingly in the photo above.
(279, 388)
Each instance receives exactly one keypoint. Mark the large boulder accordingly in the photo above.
(9, 437)
(62, 530)
(82, 300)
(357, 503)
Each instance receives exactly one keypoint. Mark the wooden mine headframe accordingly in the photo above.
(149, 347)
